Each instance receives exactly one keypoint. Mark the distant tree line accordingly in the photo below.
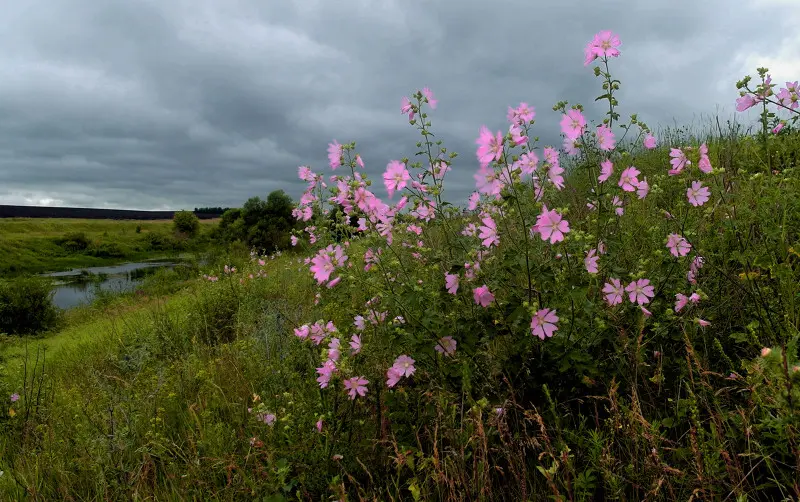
(210, 210)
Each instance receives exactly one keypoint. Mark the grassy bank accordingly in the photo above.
(33, 245)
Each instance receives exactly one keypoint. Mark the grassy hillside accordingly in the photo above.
(31, 245)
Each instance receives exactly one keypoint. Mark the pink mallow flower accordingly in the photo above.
(606, 168)
(488, 232)
(355, 344)
(543, 323)
(590, 262)
(628, 180)
(396, 177)
(681, 301)
(550, 225)
(698, 194)
(678, 162)
(451, 283)
(704, 164)
(490, 146)
(613, 291)
(404, 365)
(483, 296)
(605, 137)
(446, 346)
(640, 291)
(649, 141)
(356, 385)
(642, 189)
(573, 123)
(678, 245)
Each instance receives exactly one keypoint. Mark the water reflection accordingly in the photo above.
(80, 286)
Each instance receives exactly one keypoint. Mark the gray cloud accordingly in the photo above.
(149, 104)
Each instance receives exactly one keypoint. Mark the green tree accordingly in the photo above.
(186, 222)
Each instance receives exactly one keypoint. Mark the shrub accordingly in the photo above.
(26, 306)
(74, 242)
(186, 222)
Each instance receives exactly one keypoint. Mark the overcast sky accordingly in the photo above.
(170, 104)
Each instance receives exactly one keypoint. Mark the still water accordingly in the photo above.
(79, 286)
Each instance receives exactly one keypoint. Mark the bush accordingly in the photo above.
(74, 242)
(186, 222)
(26, 306)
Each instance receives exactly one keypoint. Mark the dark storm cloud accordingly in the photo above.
(151, 104)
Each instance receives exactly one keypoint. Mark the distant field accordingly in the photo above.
(32, 245)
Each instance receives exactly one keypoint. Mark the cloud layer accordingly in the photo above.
(167, 105)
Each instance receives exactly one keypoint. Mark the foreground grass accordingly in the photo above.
(31, 245)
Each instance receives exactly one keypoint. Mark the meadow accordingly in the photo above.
(34, 245)
(613, 319)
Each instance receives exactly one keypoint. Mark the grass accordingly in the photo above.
(31, 245)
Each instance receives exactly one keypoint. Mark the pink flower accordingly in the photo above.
(319, 425)
(488, 232)
(396, 177)
(617, 203)
(393, 376)
(766, 351)
(446, 346)
(704, 164)
(640, 291)
(573, 123)
(490, 146)
(356, 385)
(694, 298)
(550, 225)
(325, 373)
(516, 135)
(334, 154)
(703, 322)
(678, 245)
(322, 267)
(649, 141)
(14, 397)
(404, 365)
(613, 291)
(680, 301)
(451, 283)
(543, 323)
(359, 323)
(302, 332)
(678, 162)
(642, 189)
(605, 44)
(527, 163)
(590, 262)
(606, 168)
(628, 180)
(646, 312)
(521, 114)
(355, 344)
(407, 107)
(333, 350)
(698, 194)
(429, 96)
(483, 296)
(745, 102)
(605, 137)
(777, 128)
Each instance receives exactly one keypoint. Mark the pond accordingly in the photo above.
(79, 286)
